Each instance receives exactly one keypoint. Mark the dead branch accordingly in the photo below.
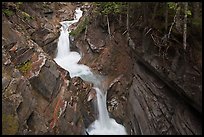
(109, 32)
(148, 31)
(177, 9)
(124, 32)
(185, 25)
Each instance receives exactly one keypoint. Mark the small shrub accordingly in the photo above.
(80, 28)
(25, 67)
(26, 15)
(7, 12)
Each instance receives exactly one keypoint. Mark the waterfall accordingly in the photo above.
(68, 60)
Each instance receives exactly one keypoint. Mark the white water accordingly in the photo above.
(68, 60)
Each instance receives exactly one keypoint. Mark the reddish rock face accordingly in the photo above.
(139, 97)
(36, 90)
(39, 97)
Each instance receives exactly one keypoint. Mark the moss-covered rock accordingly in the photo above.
(25, 67)
(80, 28)
(26, 16)
(7, 12)
(10, 124)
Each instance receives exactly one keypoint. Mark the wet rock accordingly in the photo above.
(37, 124)
(46, 39)
(18, 97)
(28, 104)
(24, 57)
(5, 83)
(38, 36)
(47, 82)
(51, 48)
(96, 47)
(67, 15)
(87, 108)
(91, 95)
(49, 26)
(10, 122)
(48, 11)
(177, 79)
(156, 110)
(32, 95)
(10, 37)
(74, 123)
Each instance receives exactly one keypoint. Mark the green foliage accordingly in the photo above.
(25, 67)
(188, 12)
(26, 15)
(106, 8)
(172, 5)
(9, 125)
(80, 28)
(7, 12)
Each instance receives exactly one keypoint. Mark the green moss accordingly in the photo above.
(9, 125)
(25, 67)
(7, 12)
(106, 8)
(26, 15)
(80, 28)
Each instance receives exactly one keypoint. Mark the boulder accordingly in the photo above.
(47, 40)
(47, 82)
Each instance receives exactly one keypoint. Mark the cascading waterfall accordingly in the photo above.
(68, 60)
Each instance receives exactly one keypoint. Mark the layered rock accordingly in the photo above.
(37, 98)
(155, 109)
(146, 95)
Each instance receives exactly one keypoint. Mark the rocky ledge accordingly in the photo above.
(38, 96)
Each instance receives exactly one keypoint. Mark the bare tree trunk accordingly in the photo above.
(185, 24)
(120, 20)
(168, 36)
(179, 21)
(127, 21)
(108, 26)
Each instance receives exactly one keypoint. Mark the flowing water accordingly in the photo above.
(104, 125)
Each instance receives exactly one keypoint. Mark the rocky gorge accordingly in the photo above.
(144, 93)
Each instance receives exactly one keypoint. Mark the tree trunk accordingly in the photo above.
(178, 19)
(127, 21)
(176, 14)
(185, 25)
(120, 20)
(108, 26)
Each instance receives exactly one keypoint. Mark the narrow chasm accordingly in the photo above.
(92, 68)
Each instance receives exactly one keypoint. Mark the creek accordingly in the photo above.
(103, 125)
